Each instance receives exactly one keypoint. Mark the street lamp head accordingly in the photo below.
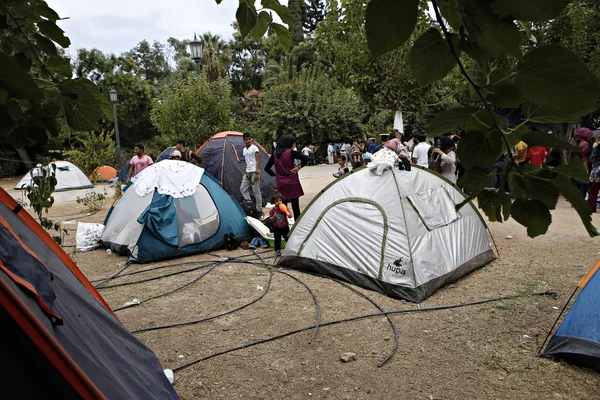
(113, 96)
(196, 49)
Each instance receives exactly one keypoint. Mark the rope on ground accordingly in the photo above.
(314, 296)
(390, 320)
(170, 291)
(176, 265)
(211, 265)
(155, 328)
(127, 264)
(359, 317)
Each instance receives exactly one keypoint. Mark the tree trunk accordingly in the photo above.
(25, 157)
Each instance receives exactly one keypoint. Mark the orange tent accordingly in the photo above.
(106, 172)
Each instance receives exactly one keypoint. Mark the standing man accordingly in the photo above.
(139, 162)
(420, 154)
(329, 153)
(311, 156)
(251, 179)
(187, 155)
(307, 152)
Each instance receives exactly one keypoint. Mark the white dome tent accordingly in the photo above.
(396, 232)
(68, 177)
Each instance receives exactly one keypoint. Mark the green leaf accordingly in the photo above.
(16, 80)
(575, 169)
(535, 188)
(46, 12)
(505, 95)
(498, 75)
(262, 24)
(82, 108)
(45, 44)
(285, 39)
(482, 121)
(53, 32)
(105, 105)
(282, 11)
(450, 11)
(533, 214)
(446, 121)
(479, 72)
(475, 179)
(494, 204)
(389, 23)
(557, 78)
(573, 196)
(60, 65)
(494, 35)
(479, 149)
(538, 138)
(536, 113)
(430, 57)
(246, 18)
(529, 10)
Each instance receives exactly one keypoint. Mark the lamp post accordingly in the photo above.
(113, 99)
(196, 51)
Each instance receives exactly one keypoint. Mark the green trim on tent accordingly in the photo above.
(319, 195)
(354, 200)
(405, 229)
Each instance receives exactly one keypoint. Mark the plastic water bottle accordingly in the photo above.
(108, 251)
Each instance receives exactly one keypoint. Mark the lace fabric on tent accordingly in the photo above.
(174, 178)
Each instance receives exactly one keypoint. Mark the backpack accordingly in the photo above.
(249, 208)
(230, 241)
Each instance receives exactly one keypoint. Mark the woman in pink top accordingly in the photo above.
(139, 162)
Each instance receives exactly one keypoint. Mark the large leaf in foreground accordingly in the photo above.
(548, 70)
(430, 57)
(533, 214)
(389, 24)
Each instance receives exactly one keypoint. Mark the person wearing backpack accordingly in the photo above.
(186, 154)
(446, 160)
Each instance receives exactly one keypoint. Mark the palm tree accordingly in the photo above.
(216, 56)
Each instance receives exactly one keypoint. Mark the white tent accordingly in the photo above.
(397, 233)
(68, 177)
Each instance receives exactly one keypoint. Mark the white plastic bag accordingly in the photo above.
(88, 236)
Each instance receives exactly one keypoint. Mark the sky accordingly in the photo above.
(115, 26)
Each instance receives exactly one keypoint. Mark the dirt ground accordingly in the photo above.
(476, 352)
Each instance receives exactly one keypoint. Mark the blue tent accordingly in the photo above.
(577, 339)
(165, 154)
(161, 222)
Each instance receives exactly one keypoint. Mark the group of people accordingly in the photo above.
(141, 160)
(351, 153)
(287, 161)
(439, 155)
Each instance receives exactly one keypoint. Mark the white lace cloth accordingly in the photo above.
(382, 160)
(175, 178)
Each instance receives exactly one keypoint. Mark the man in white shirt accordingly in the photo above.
(420, 152)
(330, 154)
(251, 178)
(306, 151)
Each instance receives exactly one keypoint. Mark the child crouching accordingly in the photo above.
(279, 215)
